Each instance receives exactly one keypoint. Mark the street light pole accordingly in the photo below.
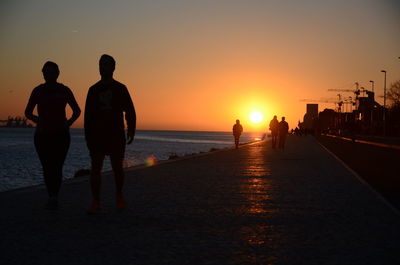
(384, 104)
(372, 84)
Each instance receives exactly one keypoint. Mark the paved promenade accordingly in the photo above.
(253, 205)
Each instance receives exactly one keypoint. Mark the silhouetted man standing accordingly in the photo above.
(237, 131)
(106, 102)
(283, 131)
(274, 128)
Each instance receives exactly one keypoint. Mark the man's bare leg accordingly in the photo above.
(116, 164)
(95, 181)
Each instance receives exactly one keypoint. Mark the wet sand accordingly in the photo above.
(253, 205)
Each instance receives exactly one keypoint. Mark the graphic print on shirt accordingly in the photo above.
(105, 98)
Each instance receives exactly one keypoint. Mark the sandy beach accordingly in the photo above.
(254, 205)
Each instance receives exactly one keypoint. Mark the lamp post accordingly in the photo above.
(372, 84)
(384, 104)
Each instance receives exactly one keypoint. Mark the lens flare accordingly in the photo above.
(151, 161)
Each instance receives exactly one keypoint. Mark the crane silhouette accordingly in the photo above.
(356, 91)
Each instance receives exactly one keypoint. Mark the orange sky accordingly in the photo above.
(199, 65)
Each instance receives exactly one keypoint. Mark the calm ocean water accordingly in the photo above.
(20, 165)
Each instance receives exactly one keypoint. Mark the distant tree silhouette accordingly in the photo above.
(393, 95)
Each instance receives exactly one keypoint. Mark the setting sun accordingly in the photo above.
(256, 117)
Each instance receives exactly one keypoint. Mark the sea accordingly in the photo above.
(20, 166)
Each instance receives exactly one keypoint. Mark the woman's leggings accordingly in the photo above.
(52, 149)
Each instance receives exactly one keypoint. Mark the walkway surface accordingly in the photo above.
(253, 205)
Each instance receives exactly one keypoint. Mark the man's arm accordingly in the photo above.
(88, 114)
(130, 115)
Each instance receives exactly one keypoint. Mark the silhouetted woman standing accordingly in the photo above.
(52, 137)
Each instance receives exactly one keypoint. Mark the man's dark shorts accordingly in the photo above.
(101, 146)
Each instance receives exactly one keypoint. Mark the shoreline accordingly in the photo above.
(84, 178)
(180, 158)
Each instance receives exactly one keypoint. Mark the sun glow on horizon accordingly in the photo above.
(256, 117)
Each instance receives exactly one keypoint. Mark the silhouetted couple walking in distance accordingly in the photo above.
(279, 131)
(106, 103)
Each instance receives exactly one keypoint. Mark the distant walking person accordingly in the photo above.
(106, 102)
(52, 137)
(283, 131)
(274, 128)
(237, 131)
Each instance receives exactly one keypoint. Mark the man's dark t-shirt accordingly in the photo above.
(104, 122)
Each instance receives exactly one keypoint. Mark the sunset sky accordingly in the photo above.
(200, 65)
